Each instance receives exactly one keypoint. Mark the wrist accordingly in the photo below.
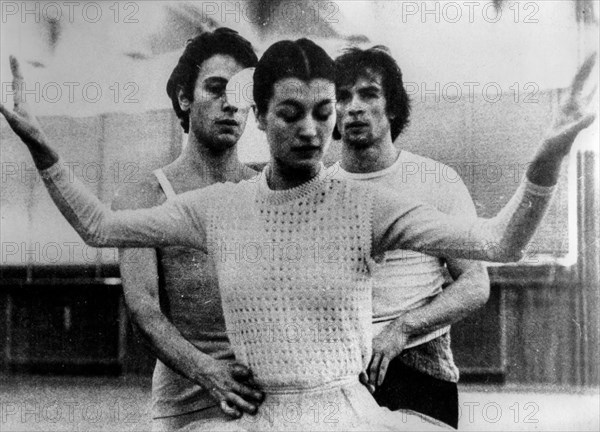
(403, 326)
(43, 158)
(545, 167)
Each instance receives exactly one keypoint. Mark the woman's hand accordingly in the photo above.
(572, 115)
(25, 124)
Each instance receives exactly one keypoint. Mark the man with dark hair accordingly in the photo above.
(172, 293)
(412, 365)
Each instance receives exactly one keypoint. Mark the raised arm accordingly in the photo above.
(171, 224)
(399, 225)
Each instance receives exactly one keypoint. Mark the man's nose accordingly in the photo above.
(356, 106)
(229, 103)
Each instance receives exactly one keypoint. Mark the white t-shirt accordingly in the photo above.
(405, 280)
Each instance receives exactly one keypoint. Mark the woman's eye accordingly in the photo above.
(289, 114)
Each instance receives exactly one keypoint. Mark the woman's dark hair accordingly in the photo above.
(355, 63)
(199, 49)
(302, 59)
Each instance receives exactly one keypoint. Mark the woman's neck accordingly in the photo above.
(281, 177)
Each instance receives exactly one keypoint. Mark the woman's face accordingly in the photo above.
(299, 122)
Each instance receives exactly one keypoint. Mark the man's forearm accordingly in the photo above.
(141, 291)
(169, 346)
(467, 293)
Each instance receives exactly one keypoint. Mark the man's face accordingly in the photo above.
(299, 122)
(216, 123)
(362, 118)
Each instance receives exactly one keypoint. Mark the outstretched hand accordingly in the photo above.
(20, 119)
(24, 123)
(573, 113)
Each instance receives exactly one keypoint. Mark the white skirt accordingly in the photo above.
(340, 406)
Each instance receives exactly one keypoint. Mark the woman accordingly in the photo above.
(293, 248)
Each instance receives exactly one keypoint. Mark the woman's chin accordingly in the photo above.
(308, 166)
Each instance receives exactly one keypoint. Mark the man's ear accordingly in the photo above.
(184, 102)
(261, 122)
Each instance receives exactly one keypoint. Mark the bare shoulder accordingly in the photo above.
(144, 193)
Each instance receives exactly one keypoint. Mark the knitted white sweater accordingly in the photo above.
(293, 265)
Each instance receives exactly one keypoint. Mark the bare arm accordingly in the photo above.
(229, 384)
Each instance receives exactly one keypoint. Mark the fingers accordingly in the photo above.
(230, 410)
(582, 74)
(572, 131)
(234, 393)
(219, 396)
(13, 120)
(240, 403)
(364, 380)
(8, 114)
(247, 392)
(383, 366)
(240, 372)
(561, 142)
(590, 97)
(374, 367)
(232, 404)
(17, 83)
(15, 68)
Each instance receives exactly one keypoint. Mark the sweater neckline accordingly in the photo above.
(285, 195)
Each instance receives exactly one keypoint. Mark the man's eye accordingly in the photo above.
(216, 89)
(323, 113)
(342, 96)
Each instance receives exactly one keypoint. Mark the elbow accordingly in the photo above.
(141, 315)
(93, 237)
(93, 240)
(480, 287)
(504, 254)
(510, 256)
(144, 316)
(143, 321)
(482, 293)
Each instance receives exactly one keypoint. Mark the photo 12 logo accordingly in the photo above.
(69, 11)
(71, 91)
(473, 91)
(469, 11)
